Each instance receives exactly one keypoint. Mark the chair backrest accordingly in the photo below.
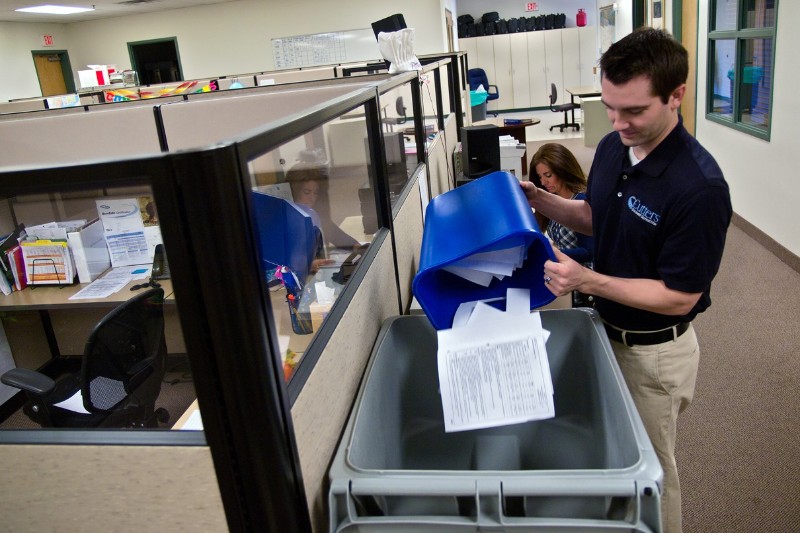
(125, 356)
(477, 77)
(553, 94)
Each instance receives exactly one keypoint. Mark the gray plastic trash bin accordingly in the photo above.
(479, 112)
(591, 468)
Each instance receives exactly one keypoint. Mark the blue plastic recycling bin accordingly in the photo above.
(487, 214)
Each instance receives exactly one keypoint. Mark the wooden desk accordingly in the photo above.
(581, 92)
(515, 130)
(65, 324)
(37, 297)
(186, 416)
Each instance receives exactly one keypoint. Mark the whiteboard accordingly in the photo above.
(325, 48)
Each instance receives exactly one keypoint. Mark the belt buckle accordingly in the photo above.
(623, 333)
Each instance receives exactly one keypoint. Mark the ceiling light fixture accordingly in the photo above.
(54, 10)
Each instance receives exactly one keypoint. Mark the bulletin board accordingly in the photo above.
(325, 48)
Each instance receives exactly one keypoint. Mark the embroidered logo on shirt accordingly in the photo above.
(642, 211)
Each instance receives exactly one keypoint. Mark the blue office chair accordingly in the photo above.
(477, 77)
(120, 378)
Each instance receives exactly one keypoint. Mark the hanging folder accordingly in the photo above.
(489, 216)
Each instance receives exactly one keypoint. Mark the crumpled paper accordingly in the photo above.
(397, 47)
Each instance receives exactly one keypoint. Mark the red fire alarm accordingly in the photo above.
(531, 6)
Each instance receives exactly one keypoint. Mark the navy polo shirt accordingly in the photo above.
(665, 218)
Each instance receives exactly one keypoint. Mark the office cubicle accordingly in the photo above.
(202, 198)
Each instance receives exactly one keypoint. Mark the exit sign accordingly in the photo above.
(531, 6)
(47, 40)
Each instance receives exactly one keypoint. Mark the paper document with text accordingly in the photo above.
(493, 367)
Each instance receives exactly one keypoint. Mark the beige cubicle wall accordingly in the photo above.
(101, 488)
(321, 409)
(49, 139)
(279, 77)
(408, 225)
(234, 113)
(20, 106)
(440, 158)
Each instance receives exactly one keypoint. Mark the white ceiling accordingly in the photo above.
(103, 9)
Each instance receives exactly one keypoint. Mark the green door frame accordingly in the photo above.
(66, 67)
(173, 40)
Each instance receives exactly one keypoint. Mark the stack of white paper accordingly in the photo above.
(483, 267)
(54, 231)
(493, 367)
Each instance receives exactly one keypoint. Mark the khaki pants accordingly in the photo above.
(661, 379)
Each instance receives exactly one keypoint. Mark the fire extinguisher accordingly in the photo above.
(580, 18)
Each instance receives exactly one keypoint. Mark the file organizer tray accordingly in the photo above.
(487, 214)
(591, 468)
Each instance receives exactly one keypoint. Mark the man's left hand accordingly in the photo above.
(564, 276)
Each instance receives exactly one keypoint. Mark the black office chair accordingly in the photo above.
(477, 77)
(566, 108)
(120, 378)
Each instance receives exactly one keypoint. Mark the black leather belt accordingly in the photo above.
(633, 338)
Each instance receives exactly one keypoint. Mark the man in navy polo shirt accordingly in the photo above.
(658, 208)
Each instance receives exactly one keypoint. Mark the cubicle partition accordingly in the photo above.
(97, 465)
(263, 454)
(47, 139)
(439, 97)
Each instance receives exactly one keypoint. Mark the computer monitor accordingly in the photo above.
(286, 234)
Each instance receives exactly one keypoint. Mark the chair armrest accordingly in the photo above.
(28, 380)
(490, 89)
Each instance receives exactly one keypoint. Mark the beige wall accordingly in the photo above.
(762, 175)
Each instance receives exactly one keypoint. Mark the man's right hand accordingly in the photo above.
(530, 191)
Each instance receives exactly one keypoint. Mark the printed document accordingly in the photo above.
(493, 367)
(124, 231)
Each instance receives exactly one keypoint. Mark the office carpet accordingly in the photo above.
(739, 441)
(738, 446)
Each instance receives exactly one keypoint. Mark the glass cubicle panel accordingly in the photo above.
(399, 132)
(314, 223)
(431, 100)
(89, 320)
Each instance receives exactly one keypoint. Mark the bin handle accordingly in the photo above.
(569, 487)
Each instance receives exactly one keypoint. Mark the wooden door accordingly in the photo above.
(689, 40)
(50, 73)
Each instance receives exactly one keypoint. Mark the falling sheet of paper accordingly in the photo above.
(483, 267)
(493, 370)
